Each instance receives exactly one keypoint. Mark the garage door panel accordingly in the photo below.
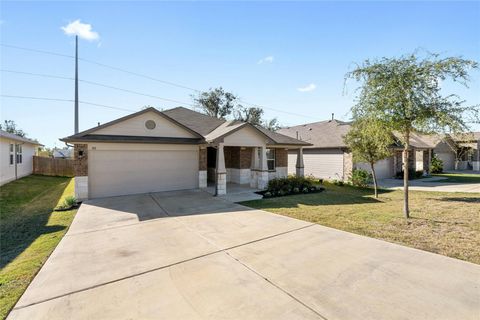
(448, 160)
(327, 165)
(128, 172)
(383, 168)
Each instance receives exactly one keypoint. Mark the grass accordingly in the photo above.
(458, 177)
(29, 231)
(443, 223)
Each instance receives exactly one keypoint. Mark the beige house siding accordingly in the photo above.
(136, 127)
(246, 137)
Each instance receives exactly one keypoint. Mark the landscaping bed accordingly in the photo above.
(291, 185)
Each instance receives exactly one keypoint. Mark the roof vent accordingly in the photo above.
(150, 124)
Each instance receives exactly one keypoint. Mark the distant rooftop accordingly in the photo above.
(8, 135)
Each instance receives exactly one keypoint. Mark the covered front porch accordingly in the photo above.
(226, 169)
(419, 159)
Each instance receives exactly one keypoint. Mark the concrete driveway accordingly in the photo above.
(187, 255)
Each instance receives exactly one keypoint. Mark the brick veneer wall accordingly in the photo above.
(202, 159)
(426, 165)
(237, 157)
(245, 158)
(80, 165)
(281, 158)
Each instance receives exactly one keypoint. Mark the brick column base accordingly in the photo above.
(300, 172)
(262, 181)
(221, 183)
(202, 178)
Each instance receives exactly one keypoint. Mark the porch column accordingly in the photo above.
(221, 172)
(254, 168)
(299, 166)
(202, 167)
(263, 170)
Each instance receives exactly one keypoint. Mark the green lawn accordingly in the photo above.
(29, 231)
(444, 223)
(459, 177)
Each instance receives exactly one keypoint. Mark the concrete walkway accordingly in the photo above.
(430, 184)
(187, 255)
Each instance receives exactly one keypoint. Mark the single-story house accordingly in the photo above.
(16, 156)
(329, 158)
(176, 149)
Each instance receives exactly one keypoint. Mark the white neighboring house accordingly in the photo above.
(16, 156)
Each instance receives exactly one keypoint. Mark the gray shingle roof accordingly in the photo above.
(281, 138)
(206, 127)
(196, 121)
(323, 134)
(8, 135)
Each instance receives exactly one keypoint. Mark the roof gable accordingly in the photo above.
(136, 126)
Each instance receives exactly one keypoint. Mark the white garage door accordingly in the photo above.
(120, 172)
(448, 160)
(326, 165)
(383, 168)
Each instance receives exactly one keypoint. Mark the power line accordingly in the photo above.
(149, 78)
(65, 100)
(95, 84)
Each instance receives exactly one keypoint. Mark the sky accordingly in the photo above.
(290, 57)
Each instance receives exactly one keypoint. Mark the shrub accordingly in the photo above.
(360, 178)
(411, 174)
(436, 165)
(70, 201)
(338, 182)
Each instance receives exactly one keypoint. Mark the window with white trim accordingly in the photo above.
(12, 153)
(19, 153)
(271, 159)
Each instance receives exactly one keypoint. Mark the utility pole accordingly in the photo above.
(76, 84)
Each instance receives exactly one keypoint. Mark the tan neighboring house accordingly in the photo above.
(329, 158)
(177, 149)
(16, 156)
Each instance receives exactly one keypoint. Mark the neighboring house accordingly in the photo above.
(176, 149)
(329, 158)
(16, 156)
(63, 153)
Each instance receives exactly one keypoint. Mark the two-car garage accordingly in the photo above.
(115, 169)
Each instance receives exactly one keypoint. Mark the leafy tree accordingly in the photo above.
(251, 115)
(369, 141)
(272, 125)
(405, 94)
(216, 102)
(11, 127)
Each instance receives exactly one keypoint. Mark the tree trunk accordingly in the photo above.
(374, 176)
(406, 209)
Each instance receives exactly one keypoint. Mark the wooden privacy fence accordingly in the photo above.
(53, 166)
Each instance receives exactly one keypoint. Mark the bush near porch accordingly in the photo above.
(291, 185)
(443, 223)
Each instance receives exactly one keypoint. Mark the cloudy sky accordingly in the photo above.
(289, 57)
